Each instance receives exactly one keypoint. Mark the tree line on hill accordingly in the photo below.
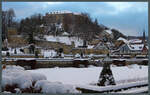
(82, 26)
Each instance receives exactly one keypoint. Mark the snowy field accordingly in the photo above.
(67, 40)
(86, 76)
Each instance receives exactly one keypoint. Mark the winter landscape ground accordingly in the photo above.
(66, 80)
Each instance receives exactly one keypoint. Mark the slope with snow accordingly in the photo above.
(64, 39)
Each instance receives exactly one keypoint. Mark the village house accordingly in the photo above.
(101, 46)
(31, 49)
(133, 46)
(109, 33)
(136, 46)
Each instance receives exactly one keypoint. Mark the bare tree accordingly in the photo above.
(10, 16)
(7, 21)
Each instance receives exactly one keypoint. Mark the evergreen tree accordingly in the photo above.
(106, 76)
(15, 52)
(96, 22)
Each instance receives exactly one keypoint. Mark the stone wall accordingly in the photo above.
(89, 51)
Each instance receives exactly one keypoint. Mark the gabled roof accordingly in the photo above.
(135, 41)
(108, 31)
(65, 33)
(133, 47)
(100, 45)
(123, 39)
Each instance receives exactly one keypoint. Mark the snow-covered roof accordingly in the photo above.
(41, 25)
(108, 31)
(75, 13)
(65, 33)
(132, 41)
(135, 41)
(123, 39)
(90, 46)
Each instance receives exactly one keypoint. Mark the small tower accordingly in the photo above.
(143, 40)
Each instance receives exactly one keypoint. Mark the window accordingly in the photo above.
(132, 47)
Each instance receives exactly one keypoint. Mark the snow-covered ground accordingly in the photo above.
(86, 76)
(65, 39)
(64, 80)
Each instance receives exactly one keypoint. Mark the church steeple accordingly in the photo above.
(143, 36)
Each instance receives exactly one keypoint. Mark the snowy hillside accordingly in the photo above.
(64, 39)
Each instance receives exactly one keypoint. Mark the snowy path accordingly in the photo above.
(136, 90)
(115, 87)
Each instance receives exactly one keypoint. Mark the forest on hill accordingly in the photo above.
(82, 26)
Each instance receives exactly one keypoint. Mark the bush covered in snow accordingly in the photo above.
(17, 77)
(54, 87)
(17, 80)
